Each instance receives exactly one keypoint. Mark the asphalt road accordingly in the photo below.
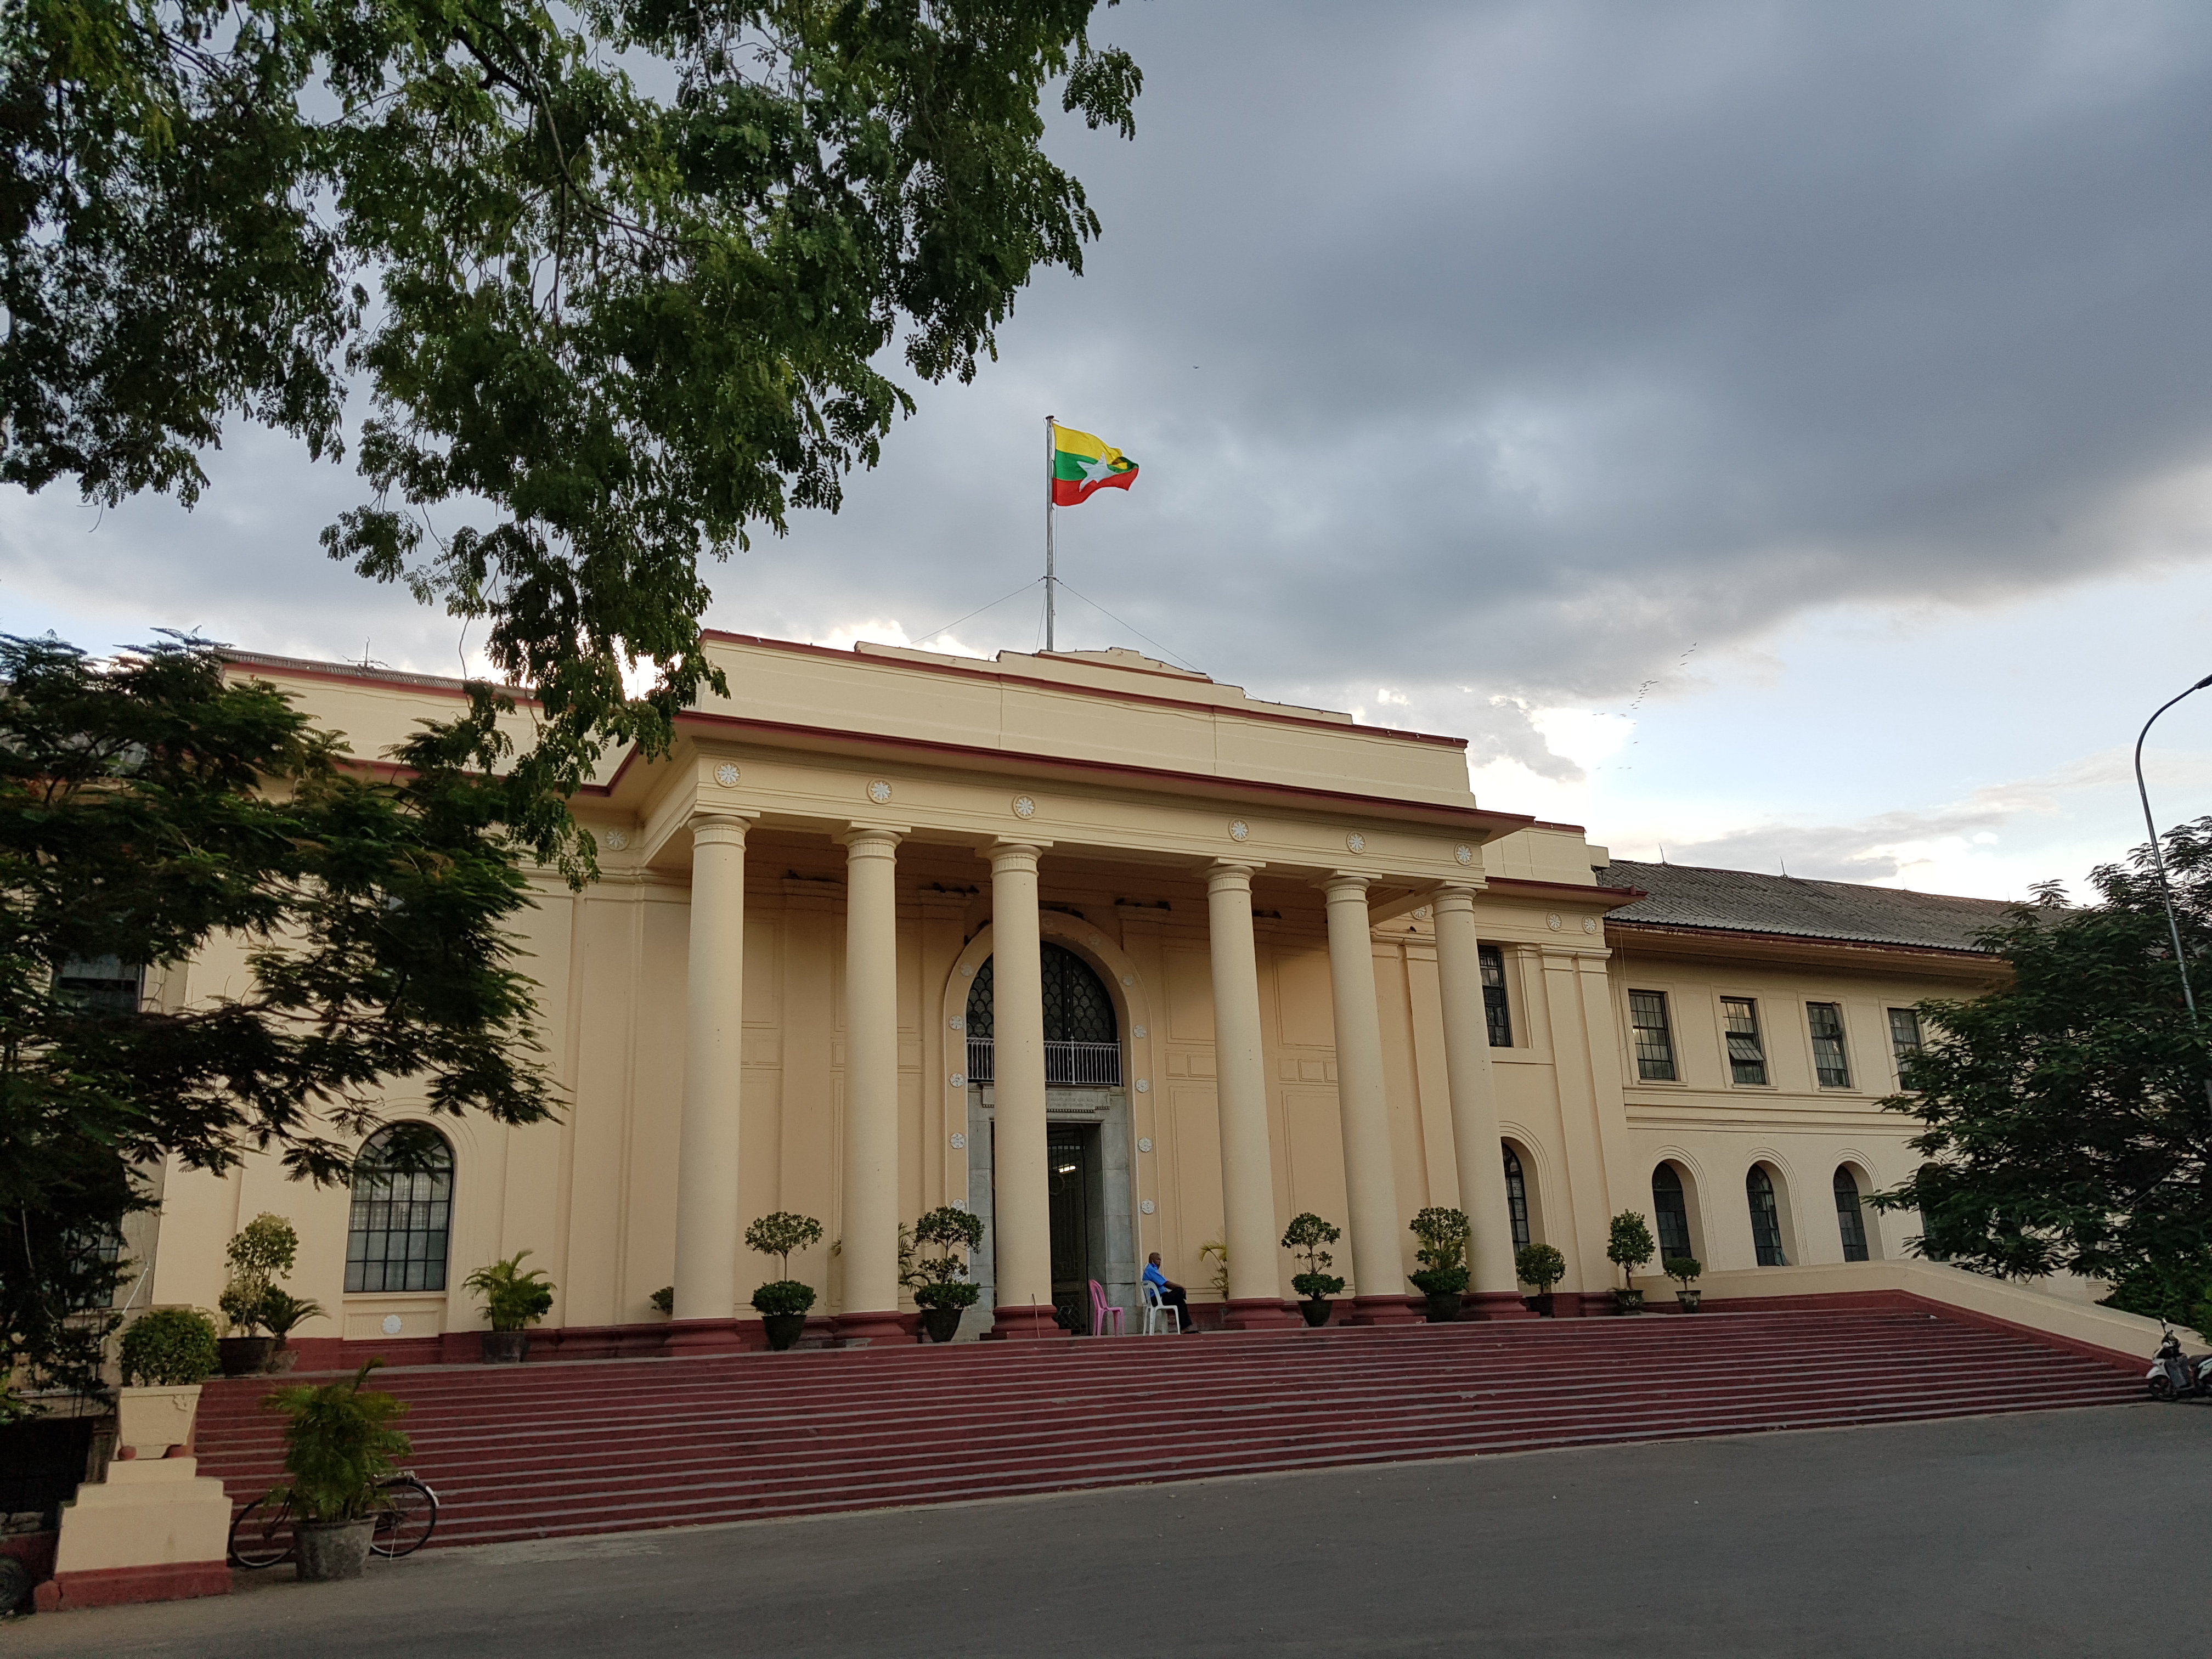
(2063, 1533)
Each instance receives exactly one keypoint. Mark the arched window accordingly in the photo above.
(1082, 1036)
(1516, 1197)
(1672, 1210)
(402, 1212)
(1848, 1220)
(1765, 1217)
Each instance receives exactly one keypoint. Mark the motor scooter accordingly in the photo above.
(2173, 1374)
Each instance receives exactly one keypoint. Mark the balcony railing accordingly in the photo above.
(1066, 1065)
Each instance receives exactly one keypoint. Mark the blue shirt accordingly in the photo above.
(1154, 1276)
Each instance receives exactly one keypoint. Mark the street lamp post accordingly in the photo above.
(2157, 856)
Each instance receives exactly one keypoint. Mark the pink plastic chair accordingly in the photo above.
(1102, 1312)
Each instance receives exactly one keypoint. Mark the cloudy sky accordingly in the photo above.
(1776, 433)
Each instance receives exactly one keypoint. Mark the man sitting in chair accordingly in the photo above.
(1171, 1294)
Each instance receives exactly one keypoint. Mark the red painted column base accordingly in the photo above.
(1493, 1304)
(108, 1586)
(1259, 1312)
(1025, 1324)
(856, 1329)
(703, 1336)
(1381, 1310)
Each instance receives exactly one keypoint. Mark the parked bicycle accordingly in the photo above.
(405, 1513)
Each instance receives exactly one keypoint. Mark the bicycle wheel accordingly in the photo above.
(262, 1535)
(406, 1512)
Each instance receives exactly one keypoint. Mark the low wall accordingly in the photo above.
(2101, 1333)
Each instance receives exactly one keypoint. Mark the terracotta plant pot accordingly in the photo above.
(245, 1356)
(1316, 1311)
(942, 1324)
(505, 1347)
(1628, 1302)
(783, 1330)
(1687, 1300)
(327, 1551)
(1443, 1310)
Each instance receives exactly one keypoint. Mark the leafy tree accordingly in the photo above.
(2066, 1119)
(1629, 1244)
(1305, 1236)
(613, 326)
(150, 808)
(1444, 1235)
(938, 1280)
(260, 1253)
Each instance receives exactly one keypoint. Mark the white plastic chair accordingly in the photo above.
(1102, 1312)
(1155, 1309)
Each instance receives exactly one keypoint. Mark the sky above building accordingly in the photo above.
(1776, 436)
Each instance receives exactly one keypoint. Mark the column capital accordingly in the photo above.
(1454, 896)
(1344, 883)
(721, 827)
(1230, 872)
(1010, 855)
(873, 840)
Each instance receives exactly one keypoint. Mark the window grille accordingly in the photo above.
(1747, 1054)
(1904, 1037)
(1082, 1041)
(1495, 1008)
(1830, 1065)
(1849, 1219)
(1655, 1039)
(402, 1217)
(1671, 1209)
(1765, 1217)
(101, 985)
(1516, 1197)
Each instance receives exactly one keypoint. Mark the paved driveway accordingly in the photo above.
(2061, 1532)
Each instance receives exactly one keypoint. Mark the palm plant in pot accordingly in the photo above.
(1305, 1236)
(1443, 1276)
(514, 1299)
(1628, 1247)
(1684, 1270)
(261, 1253)
(939, 1280)
(1542, 1265)
(338, 1446)
(783, 1302)
(282, 1313)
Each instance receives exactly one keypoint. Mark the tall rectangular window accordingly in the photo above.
(1655, 1039)
(103, 985)
(1747, 1054)
(1830, 1065)
(1904, 1037)
(1494, 1008)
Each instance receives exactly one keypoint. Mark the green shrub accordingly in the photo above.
(1682, 1269)
(1440, 1281)
(282, 1312)
(1630, 1245)
(170, 1348)
(665, 1299)
(1443, 1234)
(786, 1296)
(1305, 1236)
(948, 1295)
(1539, 1265)
(337, 1446)
(1216, 1251)
(260, 1253)
(513, 1297)
(937, 1279)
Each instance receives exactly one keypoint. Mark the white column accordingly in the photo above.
(1248, 1173)
(1021, 1203)
(707, 1224)
(1363, 1109)
(871, 1138)
(1475, 1144)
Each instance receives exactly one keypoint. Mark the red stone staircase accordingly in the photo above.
(594, 1446)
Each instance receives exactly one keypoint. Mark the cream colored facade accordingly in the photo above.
(762, 1006)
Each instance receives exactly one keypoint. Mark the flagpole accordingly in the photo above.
(1049, 573)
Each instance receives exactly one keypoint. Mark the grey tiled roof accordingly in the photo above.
(1682, 895)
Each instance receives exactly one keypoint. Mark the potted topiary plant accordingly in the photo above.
(783, 1302)
(1628, 1249)
(1305, 1236)
(939, 1281)
(515, 1298)
(1543, 1267)
(283, 1313)
(260, 1255)
(166, 1355)
(664, 1299)
(337, 1446)
(1443, 1276)
(1684, 1270)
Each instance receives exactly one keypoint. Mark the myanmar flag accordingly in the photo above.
(1082, 464)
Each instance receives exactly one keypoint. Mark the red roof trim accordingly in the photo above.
(1693, 931)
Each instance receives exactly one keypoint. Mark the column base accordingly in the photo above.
(1493, 1304)
(854, 1329)
(1259, 1312)
(1025, 1324)
(1381, 1310)
(703, 1336)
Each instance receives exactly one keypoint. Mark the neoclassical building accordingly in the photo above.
(1122, 960)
